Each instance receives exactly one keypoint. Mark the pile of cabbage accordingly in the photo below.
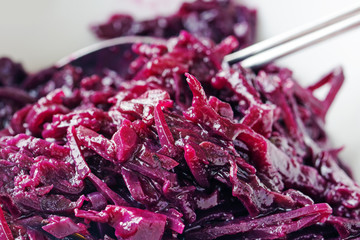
(180, 146)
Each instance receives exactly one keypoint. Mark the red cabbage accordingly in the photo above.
(211, 19)
(61, 227)
(172, 144)
(5, 232)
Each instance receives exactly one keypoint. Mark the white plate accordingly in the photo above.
(39, 32)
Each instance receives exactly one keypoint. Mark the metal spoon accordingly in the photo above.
(115, 52)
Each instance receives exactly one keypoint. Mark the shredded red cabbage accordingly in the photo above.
(178, 146)
(211, 19)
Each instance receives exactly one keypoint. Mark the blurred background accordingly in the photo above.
(40, 32)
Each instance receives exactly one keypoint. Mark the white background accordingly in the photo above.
(39, 32)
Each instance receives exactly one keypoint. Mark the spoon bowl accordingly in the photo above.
(113, 54)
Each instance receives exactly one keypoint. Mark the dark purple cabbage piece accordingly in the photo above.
(12, 98)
